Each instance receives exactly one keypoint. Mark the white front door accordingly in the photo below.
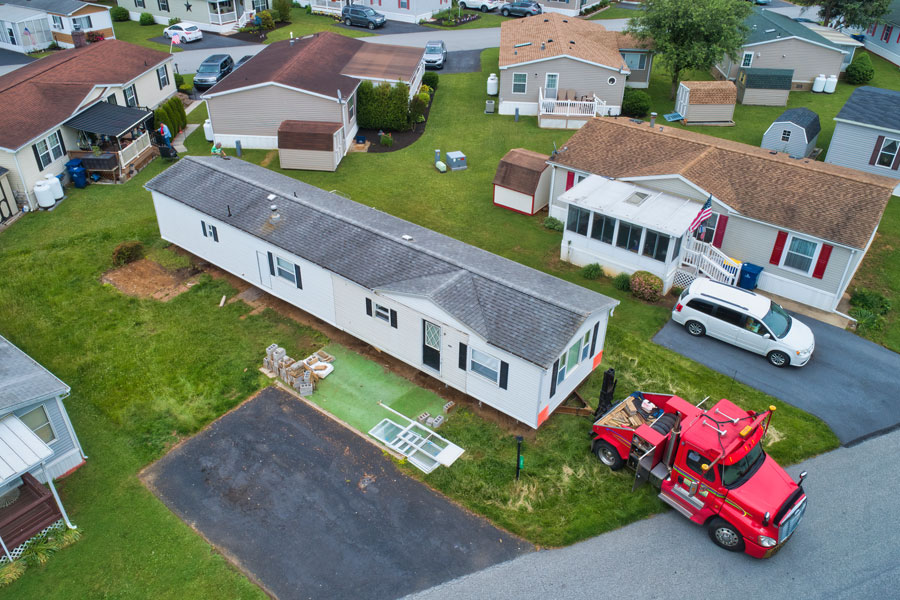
(681, 100)
(551, 85)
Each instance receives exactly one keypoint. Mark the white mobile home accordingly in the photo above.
(509, 336)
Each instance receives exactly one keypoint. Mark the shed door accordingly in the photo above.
(681, 100)
(265, 275)
(338, 143)
(6, 210)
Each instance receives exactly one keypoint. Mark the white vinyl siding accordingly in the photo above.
(852, 146)
(269, 106)
(806, 59)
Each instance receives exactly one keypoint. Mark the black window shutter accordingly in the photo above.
(62, 144)
(463, 355)
(393, 318)
(297, 274)
(553, 378)
(215, 233)
(160, 79)
(271, 264)
(203, 226)
(134, 91)
(37, 157)
(369, 306)
(594, 337)
(504, 374)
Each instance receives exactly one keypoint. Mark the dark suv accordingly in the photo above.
(521, 8)
(212, 71)
(362, 16)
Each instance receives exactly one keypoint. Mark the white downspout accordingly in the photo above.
(22, 179)
(6, 550)
(56, 497)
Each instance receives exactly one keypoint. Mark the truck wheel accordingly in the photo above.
(724, 535)
(778, 358)
(608, 455)
(695, 329)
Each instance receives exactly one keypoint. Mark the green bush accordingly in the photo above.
(646, 286)
(177, 108)
(635, 103)
(867, 320)
(162, 116)
(127, 252)
(553, 224)
(860, 70)
(622, 282)
(179, 80)
(417, 107)
(595, 8)
(119, 14)
(386, 140)
(430, 78)
(147, 19)
(383, 106)
(282, 8)
(309, 9)
(870, 300)
(592, 271)
(170, 119)
(425, 89)
(174, 21)
(266, 20)
(676, 291)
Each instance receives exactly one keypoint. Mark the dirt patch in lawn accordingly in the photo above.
(147, 279)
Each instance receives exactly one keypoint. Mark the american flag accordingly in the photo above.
(176, 39)
(704, 214)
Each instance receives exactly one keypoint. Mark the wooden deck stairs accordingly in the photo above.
(34, 510)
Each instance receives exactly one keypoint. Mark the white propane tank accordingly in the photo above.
(493, 85)
(55, 186)
(44, 194)
(831, 84)
(819, 83)
(208, 130)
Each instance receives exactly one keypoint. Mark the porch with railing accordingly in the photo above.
(703, 259)
(552, 106)
(117, 162)
(222, 12)
(331, 7)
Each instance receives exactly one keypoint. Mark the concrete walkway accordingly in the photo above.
(178, 140)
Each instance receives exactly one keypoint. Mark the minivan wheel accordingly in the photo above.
(347, 22)
(778, 358)
(484, 8)
(504, 12)
(371, 25)
(463, 6)
(695, 329)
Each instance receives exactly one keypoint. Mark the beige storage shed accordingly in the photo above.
(310, 145)
(706, 102)
(522, 182)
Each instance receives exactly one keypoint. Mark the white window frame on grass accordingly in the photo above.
(892, 155)
(484, 365)
(40, 427)
(746, 64)
(383, 313)
(285, 269)
(523, 82)
(785, 135)
(57, 22)
(132, 100)
(84, 23)
(52, 149)
(162, 74)
(789, 251)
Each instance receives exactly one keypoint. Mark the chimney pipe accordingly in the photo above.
(652, 119)
(275, 217)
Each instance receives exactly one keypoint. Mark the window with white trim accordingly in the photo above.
(520, 83)
(888, 153)
(83, 23)
(635, 61)
(162, 74)
(786, 135)
(383, 313)
(577, 221)
(163, 5)
(485, 365)
(586, 345)
(49, 149)
(38, 422)
(139, 4)
(404, 3)
(747, 60)
(611, 81)
(57, 22)
(707, 230)
(130, 96)
(603, 228)
(568, 361)
(800, 254)
(285, 270)
(351, 107)
(629, 236)
(656, 245)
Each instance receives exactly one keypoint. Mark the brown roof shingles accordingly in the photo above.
(41, 95)
(711, 92)
(833, 203)
(520, 170)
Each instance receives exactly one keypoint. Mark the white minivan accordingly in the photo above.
(744, 319)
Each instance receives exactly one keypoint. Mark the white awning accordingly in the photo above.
(832, 35)
(20, 449)
(626, 201)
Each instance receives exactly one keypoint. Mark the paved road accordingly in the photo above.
(10, 61)
(850, 383)
(312, 510)
(210, 41)
(845, 548)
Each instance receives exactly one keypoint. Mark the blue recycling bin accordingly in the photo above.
(79, 176)
(749, 278)
(75, 162)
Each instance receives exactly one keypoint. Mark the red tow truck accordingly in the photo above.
(709, 465)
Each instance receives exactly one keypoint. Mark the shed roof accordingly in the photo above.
(768, 26)
(515, 308)
(60, 7)
(108, 119)
(873, 106)
(802, 195)
(802, 117)
(307, 135)
(766, 79)
(520, 170)
(711, 92)
(833, 35)
(23, 380)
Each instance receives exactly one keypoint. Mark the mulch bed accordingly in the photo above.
(402, 139)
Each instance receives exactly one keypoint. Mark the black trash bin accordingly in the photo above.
(749, 276)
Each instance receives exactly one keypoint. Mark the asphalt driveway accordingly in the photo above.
(462, 61)
(850, 383)
(311, 510)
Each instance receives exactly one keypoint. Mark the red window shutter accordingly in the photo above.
(721, 224)
(570, 179)
(780, 241)
(877, 150)
(824, 255)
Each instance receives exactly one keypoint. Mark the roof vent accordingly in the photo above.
(550, 40)
(274, 217)
(271, 197)
(407, 238)
(637, 198)
(770, 31)
(546, 20)
(572, 42)
(565, 20)
(522, 44)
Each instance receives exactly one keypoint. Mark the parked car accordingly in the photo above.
(744, 319)
(242, 60)
(362, 16)
(187, 32)
(212, 71)
(521, 8)
(435, 54)
(482, 5)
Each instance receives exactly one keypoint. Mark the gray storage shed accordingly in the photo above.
(764, 87)
(794, 132)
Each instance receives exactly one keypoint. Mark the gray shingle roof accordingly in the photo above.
(873, 106)
(518, 309)
(803, 117)
(23, 380)
(108, 119)
(60, 7)
(767, 79)
(766, 26)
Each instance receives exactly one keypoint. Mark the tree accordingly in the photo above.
(691, 35)
(851, 13)
(283, 9)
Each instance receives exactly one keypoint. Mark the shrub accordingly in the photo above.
(386, 140)
(147, 19)
(622, 282)
(646, 286)
(867, 320)
(265, 19)
(179, 80)
(127, 252)
(425, 89)
(553, 224)
(282, 8)
(170, 119)
(119, 13)
(595, 8)
(592, 271)
(417, 107)
(176, 106)
(174, 21)
(309, 9)
(430, 78)
(635, 103)
(383, 106)
(676, 291)
(860, 70)
(94, 36)
(870, 300)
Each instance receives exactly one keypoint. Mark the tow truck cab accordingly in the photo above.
(710, 466)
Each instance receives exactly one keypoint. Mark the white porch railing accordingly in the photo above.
(222, 18)
(327, 6)
(569, 108)
(133, 150)
(246, 18)
(710, 261)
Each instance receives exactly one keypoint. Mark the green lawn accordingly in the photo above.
(304, 24)
(135, 33)
(613, 12)
(490, 19)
